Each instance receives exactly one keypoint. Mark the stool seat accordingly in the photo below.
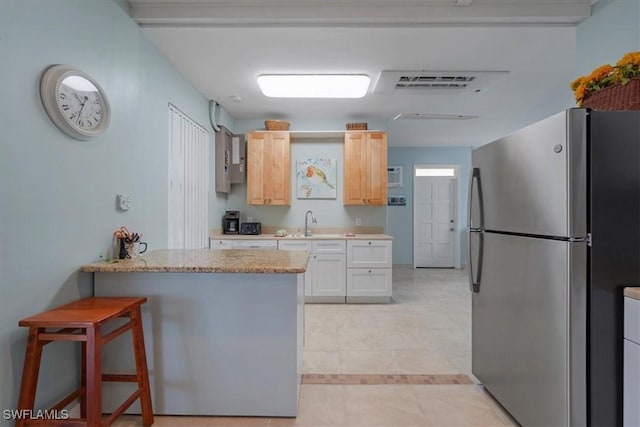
(84, 313)
(82, 321)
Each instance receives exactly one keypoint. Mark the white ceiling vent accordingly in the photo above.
(391, 80)
(429, 116)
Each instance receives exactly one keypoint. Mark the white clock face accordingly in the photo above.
(75, 102)
(79, 102)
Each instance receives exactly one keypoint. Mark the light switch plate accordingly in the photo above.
(123, 202)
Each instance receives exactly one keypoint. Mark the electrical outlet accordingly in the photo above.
(358, 222)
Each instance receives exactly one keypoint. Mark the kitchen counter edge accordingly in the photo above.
(313, 237)
(632, 292)
(207, 261)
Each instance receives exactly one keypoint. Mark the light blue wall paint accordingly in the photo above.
(330, 213)
(57, 197)
(400, 218)
(611, 31)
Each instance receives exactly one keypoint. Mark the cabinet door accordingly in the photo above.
(276, 170)
(377, 169)
(355, 168)
(365, 168)
(268, 168)
(328, 273)
(369, 254)
(256, 145)
(369, 282)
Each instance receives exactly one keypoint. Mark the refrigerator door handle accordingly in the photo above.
(475, 176)
(474, 285)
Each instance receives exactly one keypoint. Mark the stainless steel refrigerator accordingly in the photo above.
(554, 214)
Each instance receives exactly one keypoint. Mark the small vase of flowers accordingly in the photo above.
(611, 87)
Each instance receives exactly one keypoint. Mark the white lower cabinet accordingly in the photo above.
(300, 245)
(356, 271)
(328, 281)
(369, 271)
(631, 381)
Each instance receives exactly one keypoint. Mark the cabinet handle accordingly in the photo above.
(369, 242)
(369, 271)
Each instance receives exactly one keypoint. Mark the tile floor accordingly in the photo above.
(427, 330)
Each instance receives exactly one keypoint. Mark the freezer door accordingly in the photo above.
(529, 328)
(533, 181)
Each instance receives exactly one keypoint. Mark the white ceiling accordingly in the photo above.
(221, 46)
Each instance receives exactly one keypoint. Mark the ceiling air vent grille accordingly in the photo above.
(426, 80)
(433, 82)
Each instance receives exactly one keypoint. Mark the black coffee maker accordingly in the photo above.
(231, 222)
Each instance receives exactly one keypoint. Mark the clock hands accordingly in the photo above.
(82, 102)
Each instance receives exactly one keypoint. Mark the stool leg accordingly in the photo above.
(30, 372)
(142, 372)
(94, 376)
(83, 379)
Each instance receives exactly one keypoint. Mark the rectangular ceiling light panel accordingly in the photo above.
(314, 85)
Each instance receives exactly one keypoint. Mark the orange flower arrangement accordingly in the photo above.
(627, 68)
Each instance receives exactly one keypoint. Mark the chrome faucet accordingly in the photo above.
(306, 223)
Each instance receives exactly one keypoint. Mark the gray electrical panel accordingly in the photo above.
(230, 159)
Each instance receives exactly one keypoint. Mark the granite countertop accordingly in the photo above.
(632, 292)
(319, 236)
(207, 261)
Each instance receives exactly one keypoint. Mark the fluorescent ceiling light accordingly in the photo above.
(314, 85)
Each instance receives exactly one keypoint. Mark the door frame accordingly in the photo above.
(456, 192)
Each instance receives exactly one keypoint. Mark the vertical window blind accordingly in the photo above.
(188, 182)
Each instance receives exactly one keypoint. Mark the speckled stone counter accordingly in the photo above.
(223, 330)
(317, 236)
(207, 261)
(632, 292)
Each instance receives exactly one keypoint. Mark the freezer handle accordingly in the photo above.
(474, 283)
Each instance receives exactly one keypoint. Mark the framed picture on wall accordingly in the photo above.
(316, 179)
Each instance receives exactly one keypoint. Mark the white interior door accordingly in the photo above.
(434, 217)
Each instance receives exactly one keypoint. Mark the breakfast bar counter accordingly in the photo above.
(223, 329)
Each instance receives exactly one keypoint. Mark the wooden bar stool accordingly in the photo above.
(82, 321)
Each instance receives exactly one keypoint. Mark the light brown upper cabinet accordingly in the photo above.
(268, 168)
(365, 168)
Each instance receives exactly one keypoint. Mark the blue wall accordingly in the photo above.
(611, 31)
(400, 218)
(57, 197)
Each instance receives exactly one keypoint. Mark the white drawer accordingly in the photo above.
(369, 254)
(294, 245)
(219, 244)
(254, 244)
(369, 282)
(328, 246)
(632, 319)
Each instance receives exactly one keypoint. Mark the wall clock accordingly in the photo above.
(75, 102)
